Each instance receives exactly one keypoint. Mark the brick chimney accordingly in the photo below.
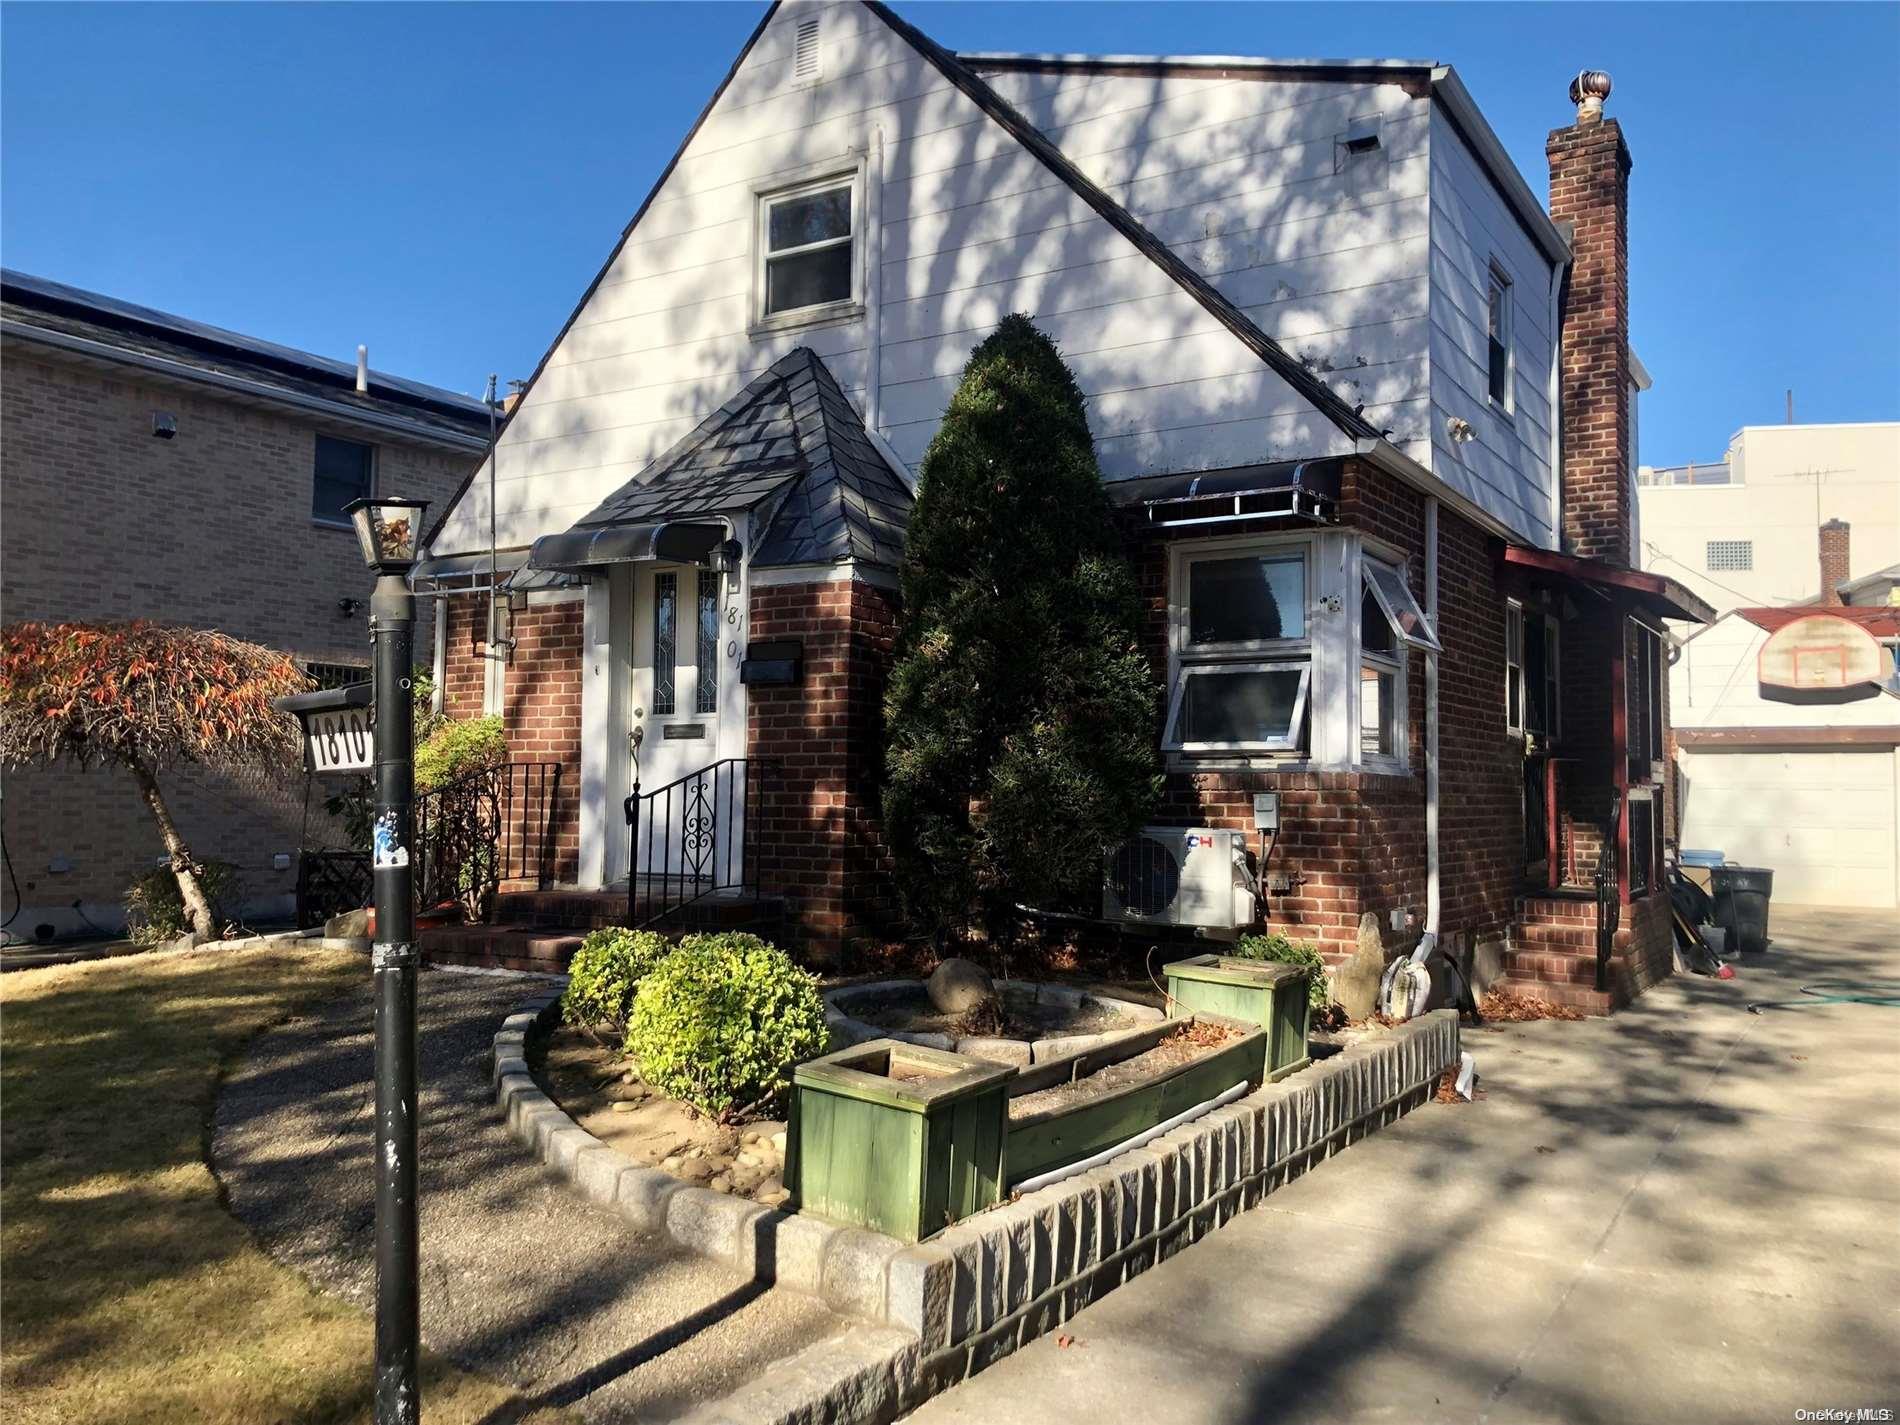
(1833, 560)
(1589, 189)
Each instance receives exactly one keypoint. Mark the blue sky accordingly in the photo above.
(441, 181)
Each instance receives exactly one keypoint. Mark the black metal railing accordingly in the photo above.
(693, 838)
(1609, 893)
(330, 882)
(479, 830)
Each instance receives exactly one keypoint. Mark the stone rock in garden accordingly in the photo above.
(748, 1159)
(671, 1163)
(350, 925)
(1356, 982)
(778, 1142)
(958, 986)
(625, 1105)
(697, 1170)
(722, 1183)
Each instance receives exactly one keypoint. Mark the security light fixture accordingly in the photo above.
(389, 531)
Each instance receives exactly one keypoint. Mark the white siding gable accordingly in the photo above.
(1506, 467)
(962, 227)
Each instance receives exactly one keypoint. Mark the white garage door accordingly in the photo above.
(1822, 820)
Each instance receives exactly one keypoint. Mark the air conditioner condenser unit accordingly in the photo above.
(1192, 877)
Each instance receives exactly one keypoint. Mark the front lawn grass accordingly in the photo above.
(130, 1293)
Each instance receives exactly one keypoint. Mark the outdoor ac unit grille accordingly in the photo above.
(1145, 876)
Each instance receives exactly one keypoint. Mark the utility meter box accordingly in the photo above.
(1266, 811)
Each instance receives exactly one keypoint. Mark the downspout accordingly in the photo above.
(1429, 940)
(874, 288)
(1559, 272)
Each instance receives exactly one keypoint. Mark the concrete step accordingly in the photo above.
(500, 947)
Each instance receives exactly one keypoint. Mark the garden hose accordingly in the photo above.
(1884, 994)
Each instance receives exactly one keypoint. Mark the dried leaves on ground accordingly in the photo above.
(1503, 1006)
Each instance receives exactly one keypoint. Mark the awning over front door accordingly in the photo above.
(594, 547)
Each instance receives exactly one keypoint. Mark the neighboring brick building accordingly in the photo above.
(1386, 560)
(155, 468)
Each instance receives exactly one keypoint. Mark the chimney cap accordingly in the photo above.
(1588, 91)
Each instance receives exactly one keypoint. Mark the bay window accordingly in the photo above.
(1291, 650)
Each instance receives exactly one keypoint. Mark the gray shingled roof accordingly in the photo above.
(790, 436)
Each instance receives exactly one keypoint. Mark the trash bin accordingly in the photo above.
(1741, 905)
(1697, 866)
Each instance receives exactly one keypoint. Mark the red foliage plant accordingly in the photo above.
(147, 696)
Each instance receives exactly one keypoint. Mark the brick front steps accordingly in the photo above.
(1553, 951)
(539, 931)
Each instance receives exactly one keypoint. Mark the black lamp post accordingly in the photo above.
(389, 531)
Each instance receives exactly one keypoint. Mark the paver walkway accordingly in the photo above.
(1683, 1213)
(521, 1277)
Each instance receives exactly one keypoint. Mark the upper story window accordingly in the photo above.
(1245, 658)
(345, 471)
(1730, 554)
(807, 249)
(1498, 337)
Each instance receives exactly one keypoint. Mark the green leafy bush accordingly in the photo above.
(1022, 711)
(606, 971)
(1277, 945)
(457, 748)
(154, 912)
(720, 1022)
(353, 804)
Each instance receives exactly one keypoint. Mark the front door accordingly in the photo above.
(674, 728)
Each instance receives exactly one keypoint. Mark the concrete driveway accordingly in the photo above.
(1685, 1213)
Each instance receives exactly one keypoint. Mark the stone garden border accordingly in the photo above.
(847, 1030)
(946, 1308)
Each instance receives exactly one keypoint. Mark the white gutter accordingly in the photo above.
(1432, 896)
(874, 293)
(1554, 391)
(239, 385)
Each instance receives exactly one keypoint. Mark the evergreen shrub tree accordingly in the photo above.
(1022, 713)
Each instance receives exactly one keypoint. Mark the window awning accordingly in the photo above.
(1658, 593)
(1306, 490)
(593, 547)
(466, 566)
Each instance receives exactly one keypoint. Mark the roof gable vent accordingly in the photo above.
(805, 51)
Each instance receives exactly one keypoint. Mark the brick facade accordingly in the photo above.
(541, 709)
(1589, 188)
(210, 529)
(818, 837)
(1834, 565)
(1354, 842)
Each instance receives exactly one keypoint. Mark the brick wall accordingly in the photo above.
(817, 836)
(1355, 841)
(541, 710)
(1589, 188)
(465, 640)
(210, 529)
(1834, 571)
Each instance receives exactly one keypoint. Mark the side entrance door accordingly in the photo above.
(683, 822)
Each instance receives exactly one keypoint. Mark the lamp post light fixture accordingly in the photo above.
(390, 532)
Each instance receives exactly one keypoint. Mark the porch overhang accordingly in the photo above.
(1300, 491)
(1657, 593)
(595, 547)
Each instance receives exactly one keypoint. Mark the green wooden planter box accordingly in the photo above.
(1263, 992)
(897, 1137)
(1061, 1136)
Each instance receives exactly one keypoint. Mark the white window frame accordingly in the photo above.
(1514, 666)
(1241, 655)
(819, 180)
(1397, 663)
(1292, 742)
(1498, 295)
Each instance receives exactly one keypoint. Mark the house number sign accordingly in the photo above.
(340, 740)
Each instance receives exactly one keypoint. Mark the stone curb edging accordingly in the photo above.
(846, 1029)
(843, 1266)
(944, 1309)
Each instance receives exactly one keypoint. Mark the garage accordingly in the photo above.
(1824, 818)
